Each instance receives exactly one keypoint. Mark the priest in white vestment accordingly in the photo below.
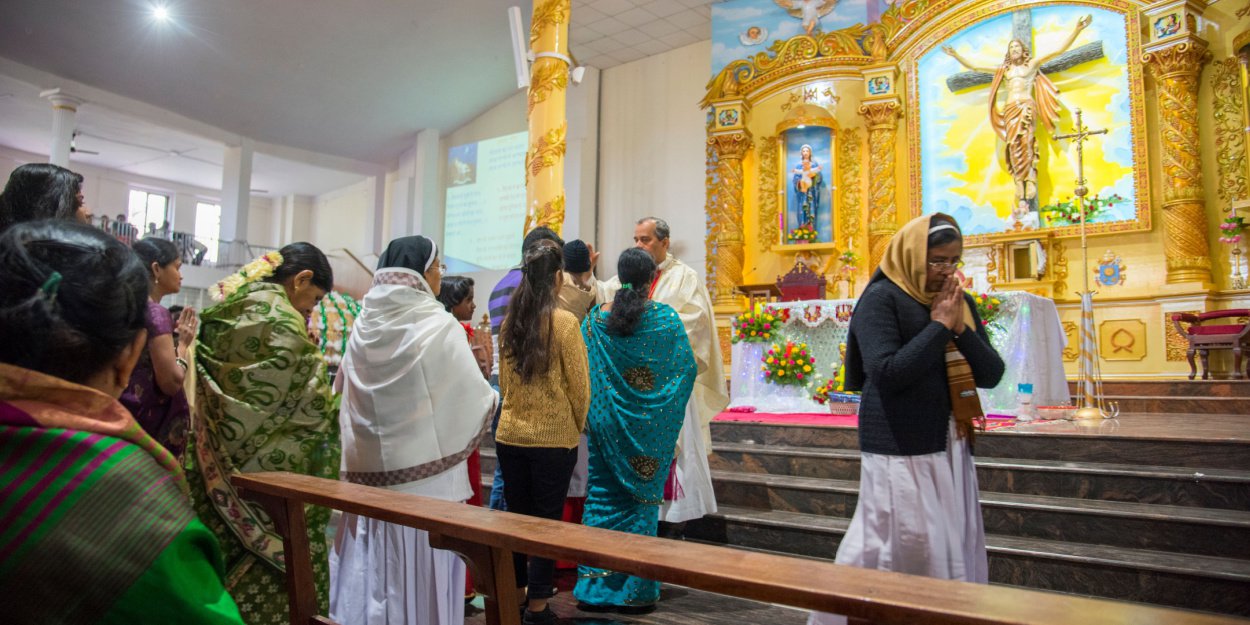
(414, 407)
(679, 285)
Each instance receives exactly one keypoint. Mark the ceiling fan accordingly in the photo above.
(73, 147)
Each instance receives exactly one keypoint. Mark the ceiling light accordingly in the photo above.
(160, 13)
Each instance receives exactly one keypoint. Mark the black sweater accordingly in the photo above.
(896, 355)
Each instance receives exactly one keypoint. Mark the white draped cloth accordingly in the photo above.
(918, 515)
(680, 287)
(414, 406)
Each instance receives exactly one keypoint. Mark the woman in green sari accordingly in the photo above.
(641, 373)
(95, 525)
(262, 402)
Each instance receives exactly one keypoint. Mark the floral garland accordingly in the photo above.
(788, 365)
(802, 234)
(258, 269)
(1231, 229)
(345, 317)
(1066, 213)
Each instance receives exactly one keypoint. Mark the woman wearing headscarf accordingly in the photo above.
(262, 402)
(414, 407)
(642, 371)
(918, 352)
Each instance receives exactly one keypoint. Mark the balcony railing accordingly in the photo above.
(230, 254)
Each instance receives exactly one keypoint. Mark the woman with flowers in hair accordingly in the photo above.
(262, 402)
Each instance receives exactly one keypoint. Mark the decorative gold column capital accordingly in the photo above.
(732, 145)
(882, 114)
(1180, 58)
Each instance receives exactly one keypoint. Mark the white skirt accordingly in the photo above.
(385, 574)
(918, 515)
(694, 476)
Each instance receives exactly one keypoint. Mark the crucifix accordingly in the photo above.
(1029, 96)
(1092, 404)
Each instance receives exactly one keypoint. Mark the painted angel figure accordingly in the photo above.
(810, 11)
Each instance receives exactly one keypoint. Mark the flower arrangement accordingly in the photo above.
(1066, 213)
(849, 260)
(758, 324)
(988, 309)
(830, 394)
(788, 364)
(802, 234)
(258, 269)
(1231, 229)
(823, 392)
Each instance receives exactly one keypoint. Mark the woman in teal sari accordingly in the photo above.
(262, 402)
(641, 373)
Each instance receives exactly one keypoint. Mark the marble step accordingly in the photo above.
(1173, 388)
(1177, 404)
(1190, 581)
(1214, 452)
(1181, 529)
(1177, 486)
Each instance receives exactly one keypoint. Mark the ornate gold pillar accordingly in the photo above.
(728, 140)
(1175, 58)
(549, 80)
(882, 117)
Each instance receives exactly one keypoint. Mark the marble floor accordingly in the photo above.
(1156, 426)
(678, 606)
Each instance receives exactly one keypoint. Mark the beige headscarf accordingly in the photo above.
(906, 263)
(906, 260)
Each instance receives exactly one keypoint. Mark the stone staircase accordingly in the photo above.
(1149, 519)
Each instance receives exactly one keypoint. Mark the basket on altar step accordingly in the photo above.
(842, 403)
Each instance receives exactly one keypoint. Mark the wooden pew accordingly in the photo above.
(487, 539)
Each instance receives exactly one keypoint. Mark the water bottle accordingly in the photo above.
(1024, 402)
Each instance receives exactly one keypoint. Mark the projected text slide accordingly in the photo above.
(485, 208)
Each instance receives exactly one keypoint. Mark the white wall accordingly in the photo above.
(652, 141)
(340, 217)
(107, 192)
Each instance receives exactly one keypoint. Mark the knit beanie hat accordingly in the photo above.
(576, 257)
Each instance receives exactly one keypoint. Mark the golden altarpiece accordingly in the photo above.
(820, 146)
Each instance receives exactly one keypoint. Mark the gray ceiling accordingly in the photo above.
(354, 79)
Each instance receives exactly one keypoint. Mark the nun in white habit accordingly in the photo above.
(414, 406)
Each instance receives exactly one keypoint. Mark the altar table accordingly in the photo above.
(1027, 334)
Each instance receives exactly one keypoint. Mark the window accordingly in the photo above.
(148, 209)
(208, 228)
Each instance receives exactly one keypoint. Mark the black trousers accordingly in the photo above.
(535, 482)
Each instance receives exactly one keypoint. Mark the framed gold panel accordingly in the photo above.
(1122, 339)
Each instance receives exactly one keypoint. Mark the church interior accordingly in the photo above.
(1092, 153)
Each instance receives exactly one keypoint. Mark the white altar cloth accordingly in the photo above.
(1028, 336)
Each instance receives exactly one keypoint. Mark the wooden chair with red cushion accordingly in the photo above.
(801, 283)
(1203, 338)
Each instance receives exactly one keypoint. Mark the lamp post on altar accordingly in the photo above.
(1092, 404)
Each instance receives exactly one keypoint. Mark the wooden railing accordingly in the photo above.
(487, 539)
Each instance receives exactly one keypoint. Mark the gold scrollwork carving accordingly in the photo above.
(1073, 350)
(1230, 136)
(1176, 69)
(1059, 253)
(849, 219)
(549, 13)
(882, 120)
(770, 230)
(1177, 344)
(551, 214)
(726, 210)
(548, 151)
(547, 78)
(713, 228)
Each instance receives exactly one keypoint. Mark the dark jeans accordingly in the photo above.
(535, 481)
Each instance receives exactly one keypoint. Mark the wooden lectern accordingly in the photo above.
(763, 293)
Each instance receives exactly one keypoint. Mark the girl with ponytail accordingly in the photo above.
(644, 370)
(545, 387)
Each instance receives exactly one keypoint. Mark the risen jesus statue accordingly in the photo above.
(1030, 96)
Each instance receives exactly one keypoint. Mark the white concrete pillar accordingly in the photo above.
(236, 200)
(427, 188)
(375, 220)
(64, 113)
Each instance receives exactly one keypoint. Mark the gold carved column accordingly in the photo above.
(549, 82)
(728, 140)
(882, 118)
(1175, 62)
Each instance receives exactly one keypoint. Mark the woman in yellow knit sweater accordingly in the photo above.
(544, 381)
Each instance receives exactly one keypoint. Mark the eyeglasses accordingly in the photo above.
(442, 267)
(945, 266)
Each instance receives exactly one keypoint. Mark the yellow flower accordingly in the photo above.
(807, 368)
(995, 301)
(765, 335)
(753, 332)
(799, 361)
(781, 372)
(979, 300)
(771, 360)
